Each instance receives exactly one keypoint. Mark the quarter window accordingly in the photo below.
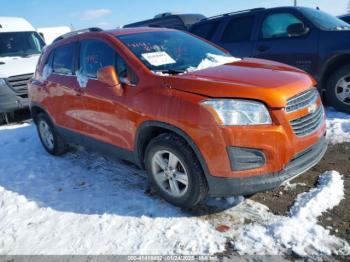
(239, 29)
(276, 25)
(63, 59)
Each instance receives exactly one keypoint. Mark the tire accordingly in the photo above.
(49, 138)
(168, 178)
(338, 86)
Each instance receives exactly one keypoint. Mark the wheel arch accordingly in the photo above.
(35, 110)
(331, 66)
(150, 129)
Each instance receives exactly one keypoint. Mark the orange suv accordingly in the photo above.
(198, 120)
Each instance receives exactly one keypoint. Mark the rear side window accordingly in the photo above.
(205, 30)
(239, 29)
(95, 54)
(63, 59)
(276, 25)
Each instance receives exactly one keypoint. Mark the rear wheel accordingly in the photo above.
(338, 89)
(51, 141)
(174, 171)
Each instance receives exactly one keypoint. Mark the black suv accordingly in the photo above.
(175, 21)
(307, 38)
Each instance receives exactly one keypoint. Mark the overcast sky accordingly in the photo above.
(113, 13)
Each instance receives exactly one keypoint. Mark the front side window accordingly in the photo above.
(20, 44)
(276, 25)
(239, 29)
(63, 59)
(95, 54)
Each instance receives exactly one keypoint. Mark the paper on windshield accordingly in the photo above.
(158, 58)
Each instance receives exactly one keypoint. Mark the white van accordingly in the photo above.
(49, 34)
(20, 48)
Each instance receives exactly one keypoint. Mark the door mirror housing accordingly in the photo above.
(297, 29)
(108, 76)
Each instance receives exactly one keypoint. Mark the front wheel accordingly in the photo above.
(338, 89)
(174, 171)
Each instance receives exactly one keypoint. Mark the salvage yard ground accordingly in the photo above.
(85, 203)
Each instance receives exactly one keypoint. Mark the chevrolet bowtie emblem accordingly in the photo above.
(312, 109)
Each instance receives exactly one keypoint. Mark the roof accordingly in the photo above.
(136, 30)
(254, 10)
(15, 24)
(115, 32)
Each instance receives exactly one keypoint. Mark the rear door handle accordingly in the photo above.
(263, 48)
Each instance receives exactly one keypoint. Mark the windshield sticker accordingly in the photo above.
(158, 58)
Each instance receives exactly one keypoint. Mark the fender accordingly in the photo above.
(150, 123)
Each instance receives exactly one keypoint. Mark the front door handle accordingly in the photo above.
(263, 48)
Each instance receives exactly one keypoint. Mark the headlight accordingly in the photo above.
(2, 82)
(235, 112)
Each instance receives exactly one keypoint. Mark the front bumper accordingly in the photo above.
(302, 162)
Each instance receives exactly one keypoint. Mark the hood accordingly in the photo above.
(11, 66)
(257, 79)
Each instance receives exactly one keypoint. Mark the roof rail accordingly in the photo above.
(78, 32)
(236, 12)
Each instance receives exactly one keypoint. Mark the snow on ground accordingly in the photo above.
(84, 203)
(299, 232)
(338, 126)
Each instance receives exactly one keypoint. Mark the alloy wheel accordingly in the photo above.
(342, 90)
(169, 173)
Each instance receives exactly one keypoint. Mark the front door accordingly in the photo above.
(105, 113)
(276, 43)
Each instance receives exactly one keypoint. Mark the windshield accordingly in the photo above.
(324, 20)
(20, 44)
(174, 52)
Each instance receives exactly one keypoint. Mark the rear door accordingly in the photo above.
(236, 35)
(276, 44)
(62, 87)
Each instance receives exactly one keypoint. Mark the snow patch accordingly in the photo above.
(338, 126)
(213, 60)
(47, 71)
(82, 79)
(299, 233)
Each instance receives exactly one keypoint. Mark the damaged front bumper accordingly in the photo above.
(302, 162)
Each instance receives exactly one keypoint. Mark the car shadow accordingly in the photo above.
(82, 181)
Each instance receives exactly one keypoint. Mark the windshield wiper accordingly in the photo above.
(171, 71)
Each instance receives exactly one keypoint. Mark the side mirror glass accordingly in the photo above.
(109, 76)
(297, 29)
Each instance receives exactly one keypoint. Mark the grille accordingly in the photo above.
(302, 100)
(306, 125)
(19, 83)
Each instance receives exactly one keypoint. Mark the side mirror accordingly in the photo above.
(109, 76)
(297, 29)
